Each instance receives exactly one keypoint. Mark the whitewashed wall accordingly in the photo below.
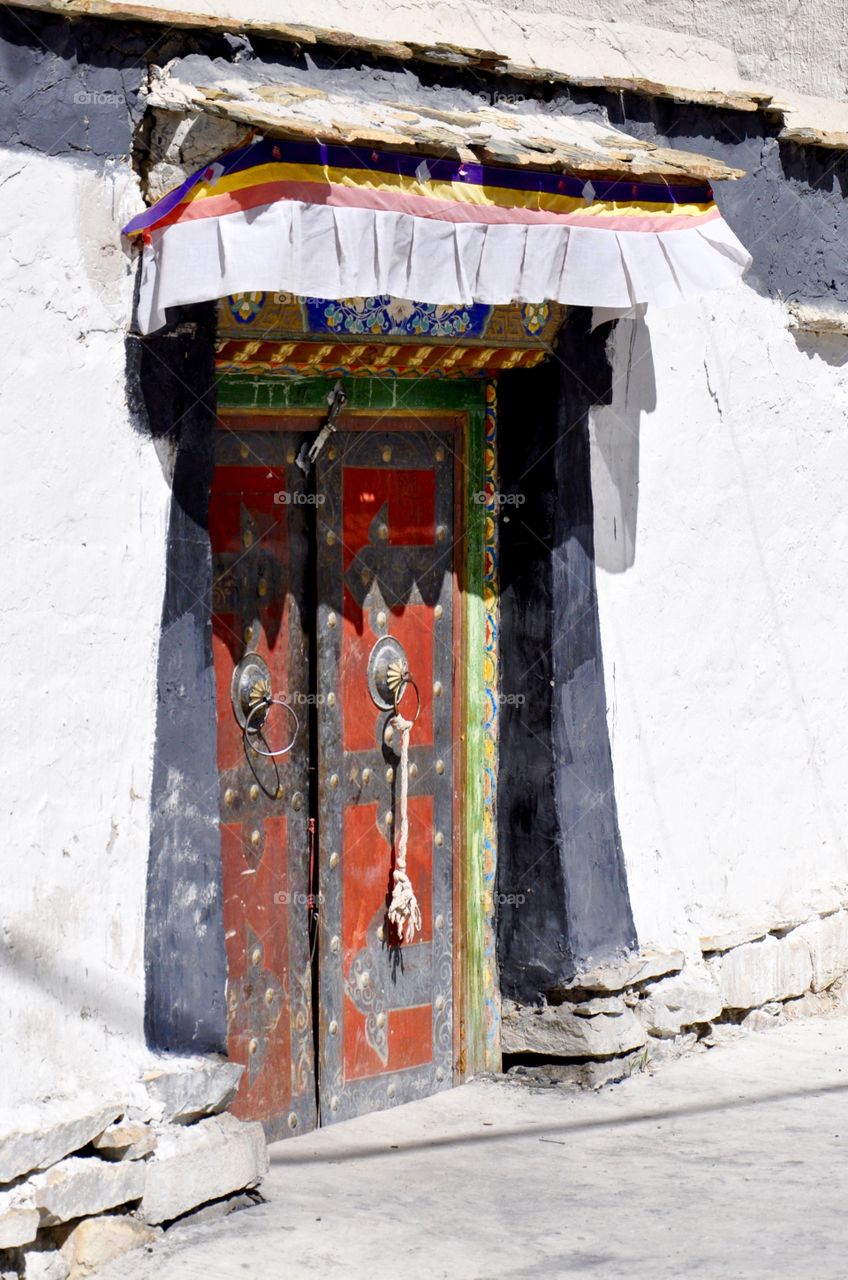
(719, 475)
(84, 504)
(800, 45)
(797, 44)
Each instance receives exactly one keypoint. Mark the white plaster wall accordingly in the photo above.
(719, 475)
(792, 44)
(84, 505)
(796, 44)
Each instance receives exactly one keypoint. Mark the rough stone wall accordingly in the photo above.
(84, 1182)
(614, 1019)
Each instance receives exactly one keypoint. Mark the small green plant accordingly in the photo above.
(639, 1062)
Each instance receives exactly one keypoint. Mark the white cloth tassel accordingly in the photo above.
(404, 912)
(325, 251)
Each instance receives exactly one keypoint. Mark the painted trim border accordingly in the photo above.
(491, 706)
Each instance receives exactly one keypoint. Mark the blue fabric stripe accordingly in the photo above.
(339, 156)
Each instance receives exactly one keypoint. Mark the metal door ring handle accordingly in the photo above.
(263, 705)
(406, 679)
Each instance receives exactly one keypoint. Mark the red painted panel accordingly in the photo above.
(254, 906)
(407, 500)
(410, 1037)
(413, 627)
(403, 501)
(256, 592)
(368, 867)
(411, 497)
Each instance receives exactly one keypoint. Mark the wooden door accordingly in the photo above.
(259, 536)
(385, 554)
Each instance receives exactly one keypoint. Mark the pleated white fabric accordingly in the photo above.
(324, 251)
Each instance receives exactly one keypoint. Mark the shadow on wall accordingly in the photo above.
(80, 990)
(171, 393)
(615, 444)
(832, 348)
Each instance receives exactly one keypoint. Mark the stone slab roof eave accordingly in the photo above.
(806, 121)
(737, 97)
(430, 127)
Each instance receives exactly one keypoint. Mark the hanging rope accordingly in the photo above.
(404, 912)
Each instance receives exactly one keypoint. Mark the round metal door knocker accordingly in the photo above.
(389, 675)
(263, 707)
(252, 699)
(400, 681)
(251, 681)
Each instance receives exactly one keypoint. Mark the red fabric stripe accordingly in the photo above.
(422, 207)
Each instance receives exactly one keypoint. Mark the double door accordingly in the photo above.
(318, 577)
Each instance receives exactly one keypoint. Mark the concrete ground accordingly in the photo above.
(727, 1163)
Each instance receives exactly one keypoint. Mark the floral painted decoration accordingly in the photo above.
(395, 317)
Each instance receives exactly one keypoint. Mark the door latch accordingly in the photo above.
(337, 399)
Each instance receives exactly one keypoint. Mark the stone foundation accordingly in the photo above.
(79, 1187)
(625, 1016)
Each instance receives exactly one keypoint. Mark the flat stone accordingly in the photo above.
(18, 1225)
(827, 939)
(559, 1033)
(562, 1076)
(203, 1162)
(37, 1137)
(127, 1140)
(761, 1020)
(619, 974)
(44, 1263)
(92, 1243)
(725, 941)
(81, 1186)
(757, 972)
(669, 1048)
(19, 1217)
(681, 1001)
(218, 1209)
(819, 317)
(613, 1005)
(722, 1033)
(815, 1003)
(186, 1095)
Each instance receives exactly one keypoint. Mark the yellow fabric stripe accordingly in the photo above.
(466, 193)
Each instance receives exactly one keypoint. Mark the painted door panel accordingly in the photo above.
(259, 538)
(385, 558)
